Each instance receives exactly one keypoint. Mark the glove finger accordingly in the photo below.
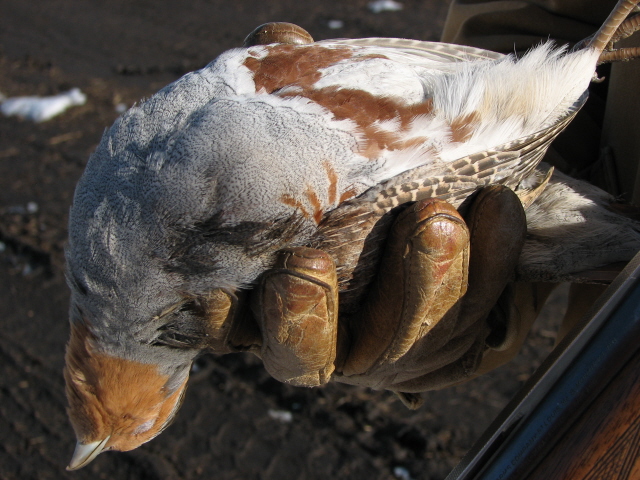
(221, 306)
(244, 333)
(424, 368)
(220, 324)
(420, 361)
(422, 275)
(456, 372)
(297, 311)
(521, 304)
(498, 227)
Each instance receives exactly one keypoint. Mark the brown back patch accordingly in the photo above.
(365, 109)
(299, 66)
(463, 126)
(293, 65)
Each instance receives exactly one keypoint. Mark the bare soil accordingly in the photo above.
(118, 52)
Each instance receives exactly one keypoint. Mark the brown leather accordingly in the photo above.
(428, 315)
(422, 275)
(297, 308)
(430, 334)
(499, 227)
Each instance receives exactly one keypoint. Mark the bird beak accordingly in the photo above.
(85, 452)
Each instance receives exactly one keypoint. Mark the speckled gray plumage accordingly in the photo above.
(186, 191)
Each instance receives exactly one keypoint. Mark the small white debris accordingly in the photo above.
(378, 6)
(335, 24)
(121, 107)
(401, 473)
(283, 416)
(40, 109)
(32, 207)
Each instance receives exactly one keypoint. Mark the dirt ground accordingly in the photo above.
(236, 422)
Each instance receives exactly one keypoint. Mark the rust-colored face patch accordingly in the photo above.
(114, 397)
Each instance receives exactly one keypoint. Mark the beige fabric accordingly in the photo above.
(621, 130)
(604, 149)
(510, 24)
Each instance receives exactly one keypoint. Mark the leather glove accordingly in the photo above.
(430, 316)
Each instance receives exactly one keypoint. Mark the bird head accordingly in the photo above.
(136, 327)
(148, 267)
(116, 403)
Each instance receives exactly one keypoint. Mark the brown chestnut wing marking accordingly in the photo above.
(287, 65)
(333, 182)
(354, 232)
(508, 164)
(462, 127)
(292, 202)
(365, 110)
(315, 202)
(300, 67)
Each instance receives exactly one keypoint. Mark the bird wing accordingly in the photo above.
(354, 232)
(417, 50)
(506, 164)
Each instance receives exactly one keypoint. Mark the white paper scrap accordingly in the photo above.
(401, 473)
(40, 109)
(283, 416)
(384, 6)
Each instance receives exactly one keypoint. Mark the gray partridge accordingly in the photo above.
(191, 194)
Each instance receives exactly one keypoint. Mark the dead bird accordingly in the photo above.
(197, 188)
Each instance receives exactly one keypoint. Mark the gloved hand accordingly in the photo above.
(427, 321)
